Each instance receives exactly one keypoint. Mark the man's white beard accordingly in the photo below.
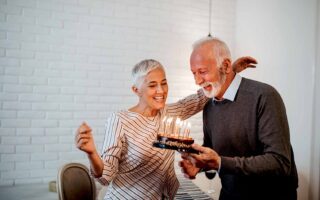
(215, 87)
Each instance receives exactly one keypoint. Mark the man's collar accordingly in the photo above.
(232, 90)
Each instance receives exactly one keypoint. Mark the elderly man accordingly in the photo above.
(246, 132)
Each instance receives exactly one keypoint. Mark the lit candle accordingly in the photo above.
(188, 129)
(177, 127)
(183, 128)
(163, 126)
(168, 125)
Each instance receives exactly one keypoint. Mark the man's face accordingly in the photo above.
(206, 72)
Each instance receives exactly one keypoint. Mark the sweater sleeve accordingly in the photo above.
(274, 139)
(187, 106)
(111, 150)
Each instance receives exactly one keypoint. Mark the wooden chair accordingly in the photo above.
(75, 183)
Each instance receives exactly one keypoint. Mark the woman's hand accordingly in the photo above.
(188, 169)
(243, 63)
(84, 139)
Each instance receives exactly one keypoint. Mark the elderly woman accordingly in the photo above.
(129, 165)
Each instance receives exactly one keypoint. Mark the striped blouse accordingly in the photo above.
(133, 168)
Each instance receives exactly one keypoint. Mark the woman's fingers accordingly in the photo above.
(82, 143)
(252, 66)
(84, 129)
(249, 59)
(252, 60)
(82, 136)
(188, 169)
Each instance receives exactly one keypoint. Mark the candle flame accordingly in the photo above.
(175, 127)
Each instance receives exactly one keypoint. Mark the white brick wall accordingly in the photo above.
(67, 61)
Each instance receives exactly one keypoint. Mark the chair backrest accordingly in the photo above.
(75, 183)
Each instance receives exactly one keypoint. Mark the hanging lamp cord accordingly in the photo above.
(210, 7)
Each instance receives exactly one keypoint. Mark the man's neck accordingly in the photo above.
(224, 87)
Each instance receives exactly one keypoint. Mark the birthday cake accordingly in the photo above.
(174, 135)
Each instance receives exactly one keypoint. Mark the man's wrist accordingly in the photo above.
(211, 170)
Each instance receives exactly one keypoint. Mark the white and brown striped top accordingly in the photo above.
(133, 168)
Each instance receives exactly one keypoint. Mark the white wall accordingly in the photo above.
(315, 157)
(282, 36)
(65, 61)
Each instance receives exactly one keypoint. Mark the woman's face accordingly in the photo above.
(154, 90)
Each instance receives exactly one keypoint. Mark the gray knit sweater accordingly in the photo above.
(251, 134)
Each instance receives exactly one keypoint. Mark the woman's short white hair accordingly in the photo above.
(141, 69)
(220, 48)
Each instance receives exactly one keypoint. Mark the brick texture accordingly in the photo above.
(64, 62)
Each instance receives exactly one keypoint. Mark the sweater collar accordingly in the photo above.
(232, 90)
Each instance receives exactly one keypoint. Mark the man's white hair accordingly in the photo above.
(141, 69)
(220, 48)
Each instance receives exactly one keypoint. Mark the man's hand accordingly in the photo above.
(191, 164)
(207, 158)
(243, 63)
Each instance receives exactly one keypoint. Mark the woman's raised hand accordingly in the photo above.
(84, 139)
(243, 63)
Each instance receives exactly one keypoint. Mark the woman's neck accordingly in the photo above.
(145, 111)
